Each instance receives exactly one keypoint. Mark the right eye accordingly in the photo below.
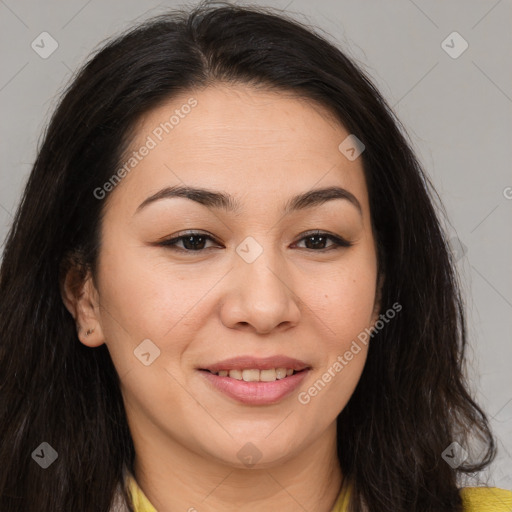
(192, 241)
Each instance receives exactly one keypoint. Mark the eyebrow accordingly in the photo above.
(223, 201)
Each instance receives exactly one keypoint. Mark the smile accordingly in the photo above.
(254, 375)
(250, 387)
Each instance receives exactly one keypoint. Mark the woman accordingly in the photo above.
(226, 288)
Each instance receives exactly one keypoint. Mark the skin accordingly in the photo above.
(262, 147)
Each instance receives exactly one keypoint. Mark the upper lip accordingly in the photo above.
(250, 362)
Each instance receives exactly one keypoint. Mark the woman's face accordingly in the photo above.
(254, 286)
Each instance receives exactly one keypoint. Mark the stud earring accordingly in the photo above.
(89, 331)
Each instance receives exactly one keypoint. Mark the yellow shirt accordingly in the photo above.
(475, 499)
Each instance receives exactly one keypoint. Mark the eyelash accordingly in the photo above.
(338, 242)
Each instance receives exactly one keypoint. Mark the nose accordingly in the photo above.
(261, 296)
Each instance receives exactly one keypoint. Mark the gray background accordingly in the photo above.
(457, 112)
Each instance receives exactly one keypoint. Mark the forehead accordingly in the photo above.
(243, 119)
(242, 140)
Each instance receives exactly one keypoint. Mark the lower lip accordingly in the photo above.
(256, 393)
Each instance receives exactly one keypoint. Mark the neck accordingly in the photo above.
(175, 478)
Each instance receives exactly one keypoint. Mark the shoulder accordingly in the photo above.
(486, 499)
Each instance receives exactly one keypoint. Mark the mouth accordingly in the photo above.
(255, 380)
(253, 386)
(255, 375)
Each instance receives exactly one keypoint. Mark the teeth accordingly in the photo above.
(268, 375)
(235, 374)
(253, 375)
(281, 373)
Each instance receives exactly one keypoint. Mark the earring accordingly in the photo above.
(89, 331)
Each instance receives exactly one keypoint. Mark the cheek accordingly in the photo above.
(144, 297)
(329, 391)
(344, 299)
(344, 372)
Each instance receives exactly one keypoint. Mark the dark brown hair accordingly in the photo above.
(412, 400)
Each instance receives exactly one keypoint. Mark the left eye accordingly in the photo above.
(319, 238)
(195, 242)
